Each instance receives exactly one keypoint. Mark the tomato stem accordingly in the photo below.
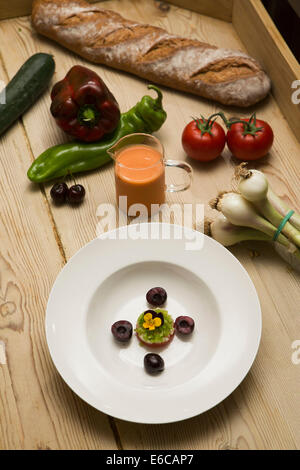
(225, 120)
(205, 125)
(250, 127)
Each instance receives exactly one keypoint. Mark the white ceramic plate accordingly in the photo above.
(107, 280)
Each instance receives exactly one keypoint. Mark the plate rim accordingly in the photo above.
(238, 381)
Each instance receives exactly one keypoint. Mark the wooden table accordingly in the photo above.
(37, 409)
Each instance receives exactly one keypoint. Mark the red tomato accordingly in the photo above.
(251, 142)
(203, 140)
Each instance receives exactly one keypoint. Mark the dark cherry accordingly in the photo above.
(76, 194)
(59, 192)
(156, 296)
(184, 325)
(122, 330)
(153, 363)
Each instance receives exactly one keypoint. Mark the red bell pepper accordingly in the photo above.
(83, 106)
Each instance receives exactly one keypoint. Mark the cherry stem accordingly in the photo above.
(71, 176)
(62, 179)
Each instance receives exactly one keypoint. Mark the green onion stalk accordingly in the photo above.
(228, 235)
(255, 213)
(254, 187)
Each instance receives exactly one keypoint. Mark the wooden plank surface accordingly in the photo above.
(256, 28)
(14, 8)
(37, 409)
(221, 9)
(264, 411)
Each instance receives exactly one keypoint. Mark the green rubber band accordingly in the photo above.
(282, 225)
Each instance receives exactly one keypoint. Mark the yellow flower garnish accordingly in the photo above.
(151, 323)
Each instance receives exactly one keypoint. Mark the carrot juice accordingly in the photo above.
(140, 175)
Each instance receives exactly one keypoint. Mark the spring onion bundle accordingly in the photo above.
(255, 212)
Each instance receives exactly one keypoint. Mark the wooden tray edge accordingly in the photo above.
(263, 40)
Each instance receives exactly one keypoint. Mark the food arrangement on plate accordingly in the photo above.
(155, 328)
(216, 319)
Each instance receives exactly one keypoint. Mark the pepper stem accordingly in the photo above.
(88, 115)
(159, 95)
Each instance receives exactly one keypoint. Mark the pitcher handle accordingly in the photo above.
(175, 188)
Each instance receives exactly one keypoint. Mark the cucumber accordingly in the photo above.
(25, 88)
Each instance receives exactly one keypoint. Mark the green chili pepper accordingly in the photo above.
(146, 116)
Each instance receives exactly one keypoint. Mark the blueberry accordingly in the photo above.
(122, 331)
(153, 363)
(184, 325)
(156, 296)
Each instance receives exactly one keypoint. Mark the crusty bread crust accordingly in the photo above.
(105, 37)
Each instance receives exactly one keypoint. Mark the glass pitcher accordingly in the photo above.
(140, 173)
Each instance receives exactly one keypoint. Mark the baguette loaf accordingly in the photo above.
(105, 37)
